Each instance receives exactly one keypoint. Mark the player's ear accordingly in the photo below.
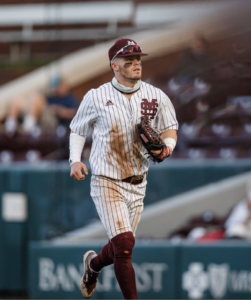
(114, 66)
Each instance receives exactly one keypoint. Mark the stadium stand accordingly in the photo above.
(209, 128)
(46, 30)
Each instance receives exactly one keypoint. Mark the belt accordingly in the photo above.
(136, 179)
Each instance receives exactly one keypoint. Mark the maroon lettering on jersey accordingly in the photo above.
(149, 108)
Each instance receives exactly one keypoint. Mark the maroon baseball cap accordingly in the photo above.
(123, 48)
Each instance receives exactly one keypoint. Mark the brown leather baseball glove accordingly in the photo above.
(152, 140)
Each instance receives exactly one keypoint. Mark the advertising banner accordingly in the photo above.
(220, 271)
(55, 272)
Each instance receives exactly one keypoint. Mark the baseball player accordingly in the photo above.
(118, 161)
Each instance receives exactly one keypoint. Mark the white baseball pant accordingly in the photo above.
(119, 204)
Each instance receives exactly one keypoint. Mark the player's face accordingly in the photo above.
(130, 68)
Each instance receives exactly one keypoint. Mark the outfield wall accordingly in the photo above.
(163, 271)
(55, 204)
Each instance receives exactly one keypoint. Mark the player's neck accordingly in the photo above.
(124, 88)
(130, 83)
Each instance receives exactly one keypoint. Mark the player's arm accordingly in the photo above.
(170, 139)
(85, 117)
(78, 169)
(170, 134)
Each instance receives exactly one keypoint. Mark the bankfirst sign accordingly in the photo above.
(55, 272)
(163, 271)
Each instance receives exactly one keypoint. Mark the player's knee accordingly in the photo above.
(123, 244)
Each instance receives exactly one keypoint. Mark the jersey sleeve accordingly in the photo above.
(85, 116)
(166, 116)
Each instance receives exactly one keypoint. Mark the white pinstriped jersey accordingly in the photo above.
(117, 151)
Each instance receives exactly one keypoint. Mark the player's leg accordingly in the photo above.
(93, 264)
(110, 199)
(109, 202)
(123, 243)
(135, 204)
(123, 247)
(112, 210)
(104, 258)
(119, 252)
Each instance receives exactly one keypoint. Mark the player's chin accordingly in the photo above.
(136, 77)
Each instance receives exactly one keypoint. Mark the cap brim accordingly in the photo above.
(132, 54)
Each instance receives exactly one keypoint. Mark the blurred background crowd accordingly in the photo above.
(207, 75)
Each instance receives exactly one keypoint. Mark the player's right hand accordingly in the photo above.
(78, 171)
